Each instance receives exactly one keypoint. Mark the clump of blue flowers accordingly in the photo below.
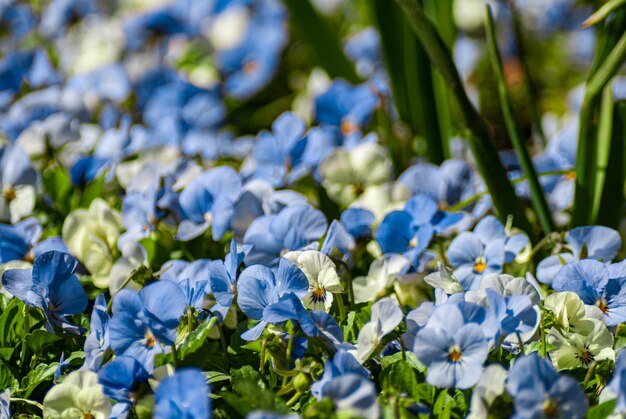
(277, 209)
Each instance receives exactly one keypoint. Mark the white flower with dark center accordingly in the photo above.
(323, 279)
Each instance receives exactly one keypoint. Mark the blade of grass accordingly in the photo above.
(603, 147)
(531, 87)
(586, 156)
(537, 196)
(410, 76)
(481, 141)
(323, 43)
(613, 191)
(602, 13)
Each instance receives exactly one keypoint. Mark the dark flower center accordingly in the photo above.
(603, 305)
(9, 194)
(150, 340)
(585, 356)
(480, 264)
(550, 408)
(348, 127)
(318, 295)
(88, 415)
(249, 67)
(455, 354)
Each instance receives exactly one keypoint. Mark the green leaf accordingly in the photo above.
(93, 190)
(57, 184)
(11, 324)
(613, 191)
(537, 196)
(411, 80)
(402, 377)
(481, 141)
(216, 377)
(40, 339)
(411, 360)
(195, 339)
(602, 411)
(443, 405)
(321, 40)
(603, 12)
(41, 373)
(7, 380)
(610, 55)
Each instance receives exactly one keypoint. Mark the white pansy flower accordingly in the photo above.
(322, 275)
(386, 316)
(381, 275)
(78, 396)
(347, 174)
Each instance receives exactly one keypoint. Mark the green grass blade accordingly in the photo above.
(322, 41)
(586, 156)
(529, 81)
(537, 196)
(613, 190)
(602, 13)
(603, 147)
(481, 141)
(410, 76)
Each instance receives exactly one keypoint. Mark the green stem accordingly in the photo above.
(294, 399)
(590, 372)
(262, 360)
(341, 307)
(288, 356)
(481, 141)
(220, 328)
(537, 197)
(30, 402)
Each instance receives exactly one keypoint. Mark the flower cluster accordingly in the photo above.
(187, 232)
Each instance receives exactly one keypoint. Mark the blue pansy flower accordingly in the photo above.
(294, 228)
(97, 341)
(208, 202)
(50, 286)
(409, 231)
(483, 251)
(224, 274)
(346, 108)
(453, 349)
(539, 391)
(142, 28)
(32, 68)
(597, 284)
(259, 198)
(342, 363)
(514, 314)
(16, 241)
(267, 296)
(119, 379)
(277, 154)
(193, 278)
(587, 242)
(245, 66)
(144, 321)
(354, 226)
(353, 393)
(183, 395)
